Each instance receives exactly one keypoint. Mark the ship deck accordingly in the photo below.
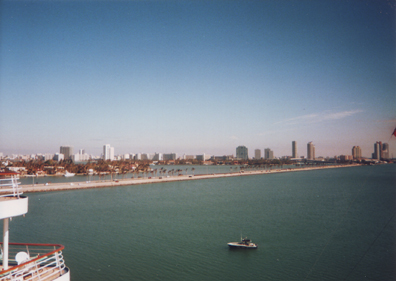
(38, 262)
(40, 274)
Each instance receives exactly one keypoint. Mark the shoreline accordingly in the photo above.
(124, 182)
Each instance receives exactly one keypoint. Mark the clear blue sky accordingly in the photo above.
(197, 76)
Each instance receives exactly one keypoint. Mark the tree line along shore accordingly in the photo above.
(102, 167)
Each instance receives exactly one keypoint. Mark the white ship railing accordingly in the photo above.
(10, 187)
(43, 262)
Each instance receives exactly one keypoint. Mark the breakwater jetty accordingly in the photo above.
(135, 181)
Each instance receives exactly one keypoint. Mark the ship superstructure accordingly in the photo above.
(245, 244)
(25, 261)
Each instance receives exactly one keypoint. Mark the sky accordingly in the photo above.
(193, 77)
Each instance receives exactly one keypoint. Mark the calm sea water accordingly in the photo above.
(333, 224)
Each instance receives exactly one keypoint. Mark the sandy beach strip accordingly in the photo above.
(134, 181)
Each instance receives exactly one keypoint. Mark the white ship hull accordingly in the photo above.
(238, 245)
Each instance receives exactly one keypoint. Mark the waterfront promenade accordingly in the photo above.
(134, 181)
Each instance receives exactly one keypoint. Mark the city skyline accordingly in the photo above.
(381, 151)
(197, 77)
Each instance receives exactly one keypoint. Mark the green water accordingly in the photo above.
(332, 224)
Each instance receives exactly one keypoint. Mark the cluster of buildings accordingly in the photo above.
(108, 154)
(381, 152)
(268, 153)
(66, 152)
(242, 152)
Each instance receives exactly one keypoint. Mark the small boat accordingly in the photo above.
(68, 175)
(245, 244)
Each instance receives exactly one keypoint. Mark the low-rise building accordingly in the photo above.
(17, 169)
(170, 156)
(59, 157)
(200, 157)
(344, 158)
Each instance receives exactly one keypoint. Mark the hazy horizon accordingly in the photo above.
(194, 77)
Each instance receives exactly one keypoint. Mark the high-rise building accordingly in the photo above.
(67, 151)
(268, 154)
(385, 151)
(242, 152)
(377, 150)
(356, 152)
(108, 152)
(310, 151)
(294, 149)
(257, 154)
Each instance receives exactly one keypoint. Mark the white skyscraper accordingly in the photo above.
(310, 151)
(257, 154)
(108, 152)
